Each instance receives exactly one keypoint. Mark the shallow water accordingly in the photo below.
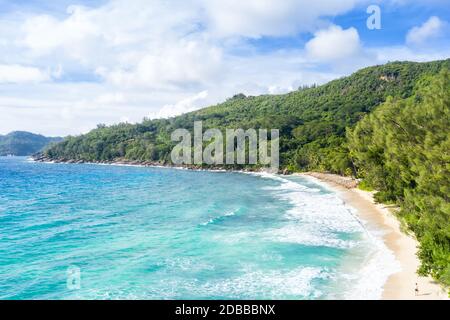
(158, 233)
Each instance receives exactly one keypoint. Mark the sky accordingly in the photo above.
(68, 65)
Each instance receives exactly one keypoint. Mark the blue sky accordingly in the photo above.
(67, 65)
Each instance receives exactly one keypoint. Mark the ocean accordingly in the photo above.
(82, 231)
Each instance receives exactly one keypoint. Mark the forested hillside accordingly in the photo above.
(20, 143)
(312, 121)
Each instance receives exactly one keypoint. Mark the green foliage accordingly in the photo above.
(364, 185)
(403, 150)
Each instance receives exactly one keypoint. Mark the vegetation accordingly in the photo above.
(402, 149)
(386, 124)
(312, 121)
(21, 143)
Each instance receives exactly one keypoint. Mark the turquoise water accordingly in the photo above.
(158, 233)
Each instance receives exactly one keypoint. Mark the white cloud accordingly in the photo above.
(256, 18)
(172, 64)
(334, 43)
(20, 74)
(183, 106)
(110, 98)
(91, 35)
(405, 53)
(429, 30)
(280, 90)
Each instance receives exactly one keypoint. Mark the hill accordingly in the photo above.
(21, 143)
(312, 121)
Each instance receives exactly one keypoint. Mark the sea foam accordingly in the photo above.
(319, 218)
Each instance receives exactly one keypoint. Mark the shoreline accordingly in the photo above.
(400, 285)
(149, 164)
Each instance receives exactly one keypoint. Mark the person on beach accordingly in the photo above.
(416, 291)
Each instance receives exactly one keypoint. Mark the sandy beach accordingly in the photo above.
(400, 285)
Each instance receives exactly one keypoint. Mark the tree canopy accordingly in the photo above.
(402, 149)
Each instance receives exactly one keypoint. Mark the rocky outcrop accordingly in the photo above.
(43, 158)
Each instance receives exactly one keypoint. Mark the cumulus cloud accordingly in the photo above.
(44, 33)
(429, 30)
(181, 63)
(334, 43)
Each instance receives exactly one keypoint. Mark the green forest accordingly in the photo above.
(387, 125)
(402, 150)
